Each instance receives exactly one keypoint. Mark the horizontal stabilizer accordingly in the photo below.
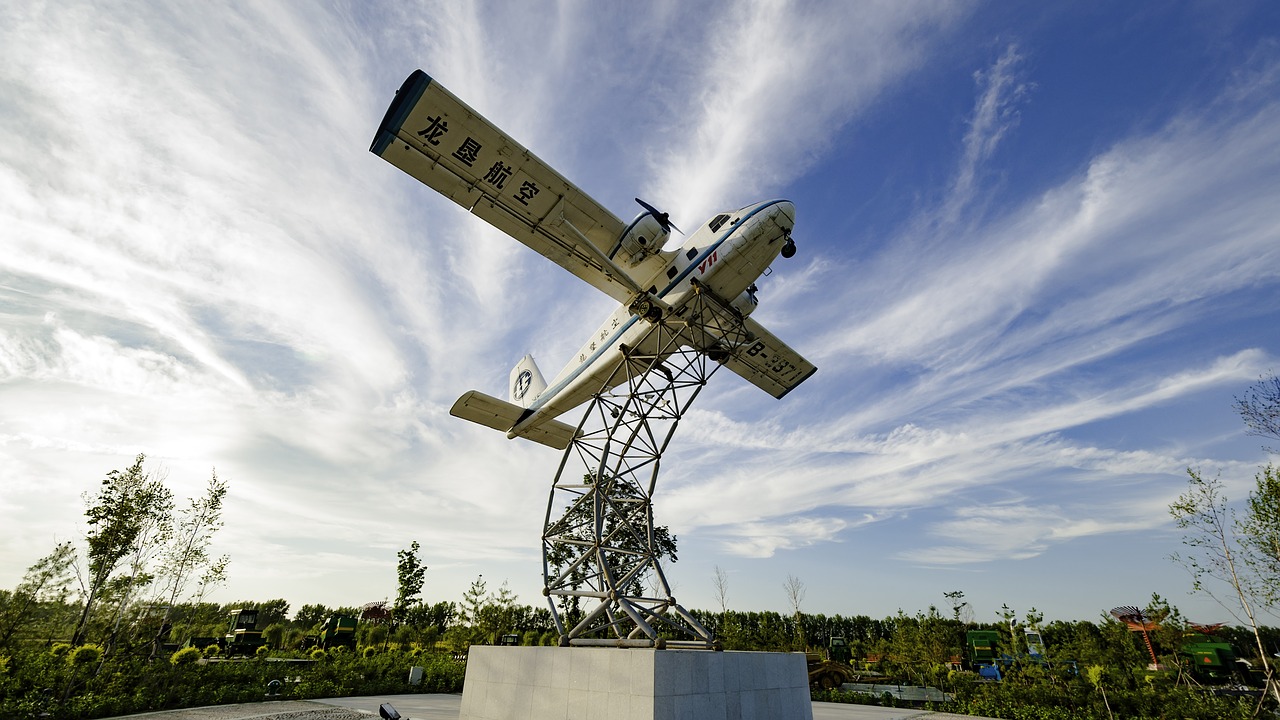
(501, 415)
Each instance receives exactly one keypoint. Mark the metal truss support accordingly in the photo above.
(600, 550)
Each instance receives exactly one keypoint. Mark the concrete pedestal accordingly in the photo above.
(579, 683)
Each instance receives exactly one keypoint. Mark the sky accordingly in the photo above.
(1039, 255)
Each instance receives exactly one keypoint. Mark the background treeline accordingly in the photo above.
(1095, 668)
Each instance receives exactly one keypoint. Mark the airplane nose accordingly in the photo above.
(784, 213)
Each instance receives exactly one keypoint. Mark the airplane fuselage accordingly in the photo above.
(725, 257)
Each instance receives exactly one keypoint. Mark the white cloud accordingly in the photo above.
(775, 85)
(202, 261)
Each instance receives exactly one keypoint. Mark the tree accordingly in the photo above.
(958, 606)
(309, 616)
(273, 634)
(497, 615)
(116, 516)
(412, 573)
(720, 583)
(1260, 407)
(576, 529)
(1260, 534)
(1217, 553)
(154, 518)
(795, 590)
(472, 602)
(45, 583)
(272, 611)
(188, 553)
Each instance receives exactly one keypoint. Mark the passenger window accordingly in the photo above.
(671, 272)
(718, 222)
(693, 253)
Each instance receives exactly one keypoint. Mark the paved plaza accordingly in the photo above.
(447, 706)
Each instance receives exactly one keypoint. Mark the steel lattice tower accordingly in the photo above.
(599, 545)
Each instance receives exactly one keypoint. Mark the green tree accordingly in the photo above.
(577, 525)
(273, 634)
(309, 616)
(45, 584)
(154, 508)
(473, 601)
(411, 572)
(1260, 534)
(1217, 556)
(273, 611)
(498, 615)
(959, 606)
(188, 554)
(117, 516)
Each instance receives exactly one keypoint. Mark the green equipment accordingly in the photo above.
(1213, 660)
(838, 650)
(338, 631)
(984, 652)
(243, 637)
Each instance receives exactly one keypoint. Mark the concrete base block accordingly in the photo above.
(578, 683)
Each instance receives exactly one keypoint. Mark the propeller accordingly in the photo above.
(663, 219)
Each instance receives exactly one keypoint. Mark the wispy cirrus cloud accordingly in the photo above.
(992, 338)
(774, 88)
(202, 261)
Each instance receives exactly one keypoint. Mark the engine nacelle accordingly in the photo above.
(746, 302)
(644, 237)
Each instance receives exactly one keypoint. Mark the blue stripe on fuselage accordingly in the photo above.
(553, 391)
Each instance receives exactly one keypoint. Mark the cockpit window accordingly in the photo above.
(717, 222)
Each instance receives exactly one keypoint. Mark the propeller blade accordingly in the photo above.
(663, 218)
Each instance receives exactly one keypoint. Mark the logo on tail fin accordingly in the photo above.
(522, 384)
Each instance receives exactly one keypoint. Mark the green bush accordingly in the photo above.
(186, 656)
(125, 684)
(262, 651)
(318, 654)
(85, 655)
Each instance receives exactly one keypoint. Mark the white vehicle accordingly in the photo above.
(436, 138)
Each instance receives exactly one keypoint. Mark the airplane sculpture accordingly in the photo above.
(430, 134)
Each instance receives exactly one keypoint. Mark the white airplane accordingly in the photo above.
(436, 138)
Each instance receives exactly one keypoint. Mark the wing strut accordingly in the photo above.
(616, 272)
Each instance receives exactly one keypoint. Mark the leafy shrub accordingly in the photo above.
(59, 649)
(85, 655)
(186, 656)
(318, 654)
(262, 651)
(370, 652)
(128, 684)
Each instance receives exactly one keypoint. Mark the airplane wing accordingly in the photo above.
(768, 363)
(436, 138)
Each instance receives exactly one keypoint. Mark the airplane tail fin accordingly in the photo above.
(526, 382)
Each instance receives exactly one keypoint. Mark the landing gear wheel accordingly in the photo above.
(789, 250)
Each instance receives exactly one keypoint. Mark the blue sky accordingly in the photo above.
(1039, 252)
